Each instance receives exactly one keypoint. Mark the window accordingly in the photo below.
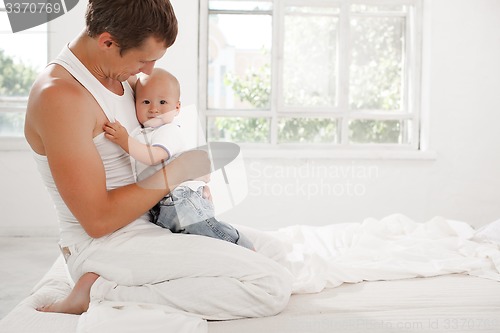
(22, 56)
(311, 73)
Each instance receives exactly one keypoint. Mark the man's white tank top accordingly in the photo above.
(116, 161)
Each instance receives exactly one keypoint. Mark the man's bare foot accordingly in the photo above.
(77, 302)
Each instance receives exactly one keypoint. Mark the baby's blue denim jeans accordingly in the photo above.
(186, 211)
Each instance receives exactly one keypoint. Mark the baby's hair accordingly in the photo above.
(164, 74)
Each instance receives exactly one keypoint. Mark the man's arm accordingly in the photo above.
(146, 154)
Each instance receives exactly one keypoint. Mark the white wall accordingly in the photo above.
(461, 84)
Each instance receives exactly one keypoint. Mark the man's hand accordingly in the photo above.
(206, 193)
(116, 133)
(190, 165)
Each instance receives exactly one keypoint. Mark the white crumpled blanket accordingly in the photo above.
(392, 248)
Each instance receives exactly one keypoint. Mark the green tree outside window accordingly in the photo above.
(16, 79)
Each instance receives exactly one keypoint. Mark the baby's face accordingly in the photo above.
(156, 99)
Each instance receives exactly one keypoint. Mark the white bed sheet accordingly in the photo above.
(449, 303)
(338, 258)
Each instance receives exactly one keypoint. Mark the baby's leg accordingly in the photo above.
(213, 228)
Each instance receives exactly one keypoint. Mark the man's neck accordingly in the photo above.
(86, 50)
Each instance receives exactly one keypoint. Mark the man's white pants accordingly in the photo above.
(209, 277)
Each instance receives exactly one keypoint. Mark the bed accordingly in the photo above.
(388, 275)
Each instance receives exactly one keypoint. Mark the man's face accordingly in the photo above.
(138, 60)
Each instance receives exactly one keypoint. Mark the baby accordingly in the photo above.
(159, 140)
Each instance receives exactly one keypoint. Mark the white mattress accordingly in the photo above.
(449, 303)
(444, 303)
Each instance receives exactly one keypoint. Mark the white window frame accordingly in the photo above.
(412, 98)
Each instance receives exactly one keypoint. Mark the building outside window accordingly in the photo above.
(311, 73)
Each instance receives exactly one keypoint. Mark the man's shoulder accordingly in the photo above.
(57, 97)
(55, 86)
(52, 81)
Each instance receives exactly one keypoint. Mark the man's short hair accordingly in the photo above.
(131, 22)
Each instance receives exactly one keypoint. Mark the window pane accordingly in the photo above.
(376, 71)
(239, 61)
(19, 46)
(238, 129)
(16, 75)
(4, 21)
(378, 8)
(11, 124)
(310, 56)
(313, 39)
(379, 131)
(19, 66)
(240, 5)
(307, 130)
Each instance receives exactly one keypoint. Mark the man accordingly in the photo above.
(105, 237)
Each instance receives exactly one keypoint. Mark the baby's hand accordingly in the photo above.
(116, 133)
